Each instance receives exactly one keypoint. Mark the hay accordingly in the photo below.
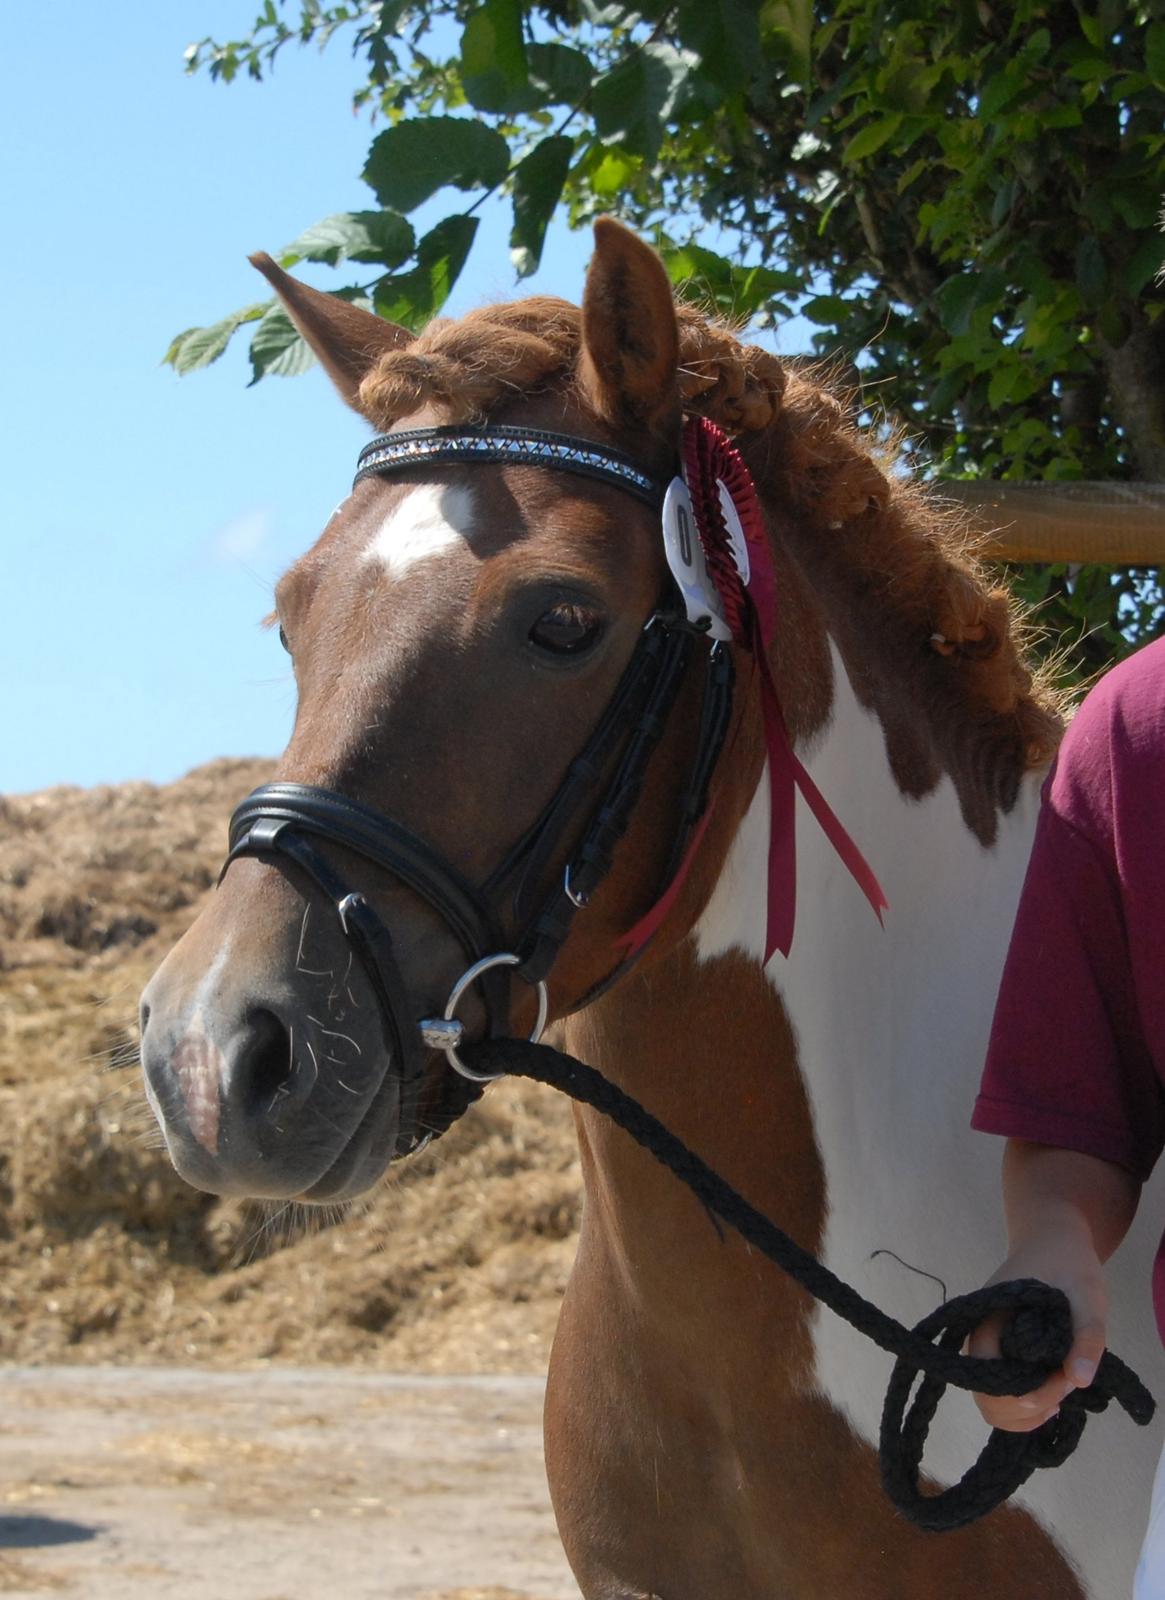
(457, 1264)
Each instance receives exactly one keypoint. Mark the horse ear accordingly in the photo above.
(346, 339)
(630, 342)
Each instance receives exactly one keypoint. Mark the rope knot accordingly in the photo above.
(1034, 1343)
(1040, 1333)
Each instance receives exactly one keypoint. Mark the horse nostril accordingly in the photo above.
(265, 1068)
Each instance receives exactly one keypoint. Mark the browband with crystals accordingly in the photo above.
(526, 447)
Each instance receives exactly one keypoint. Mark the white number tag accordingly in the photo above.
(685, 558)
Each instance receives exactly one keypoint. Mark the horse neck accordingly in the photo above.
(783, 1076)
(930, 970)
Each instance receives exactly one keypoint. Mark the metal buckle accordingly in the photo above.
(445, 1033)
(578, 901)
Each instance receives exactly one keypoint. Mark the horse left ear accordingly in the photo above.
(347, 339)
(630, 342)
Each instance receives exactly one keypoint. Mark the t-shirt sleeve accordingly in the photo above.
(1067, 1063)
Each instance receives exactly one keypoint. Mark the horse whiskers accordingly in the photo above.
(247, 1247)
(148, 1141)
(333, 1033)
(278, 1226)
(99, 1002)
(309, 972)
(111, 1052)
(127, 1065)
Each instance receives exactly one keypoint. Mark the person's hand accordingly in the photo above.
(1061, 1253)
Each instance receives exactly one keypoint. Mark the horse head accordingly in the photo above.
(456, 633)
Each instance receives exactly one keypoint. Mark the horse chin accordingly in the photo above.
(364, 1159)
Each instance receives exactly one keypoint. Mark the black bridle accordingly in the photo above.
(283, 821)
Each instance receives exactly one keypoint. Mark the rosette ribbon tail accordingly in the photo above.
(787, 774)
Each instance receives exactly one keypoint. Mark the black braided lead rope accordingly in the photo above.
(1035, 1342)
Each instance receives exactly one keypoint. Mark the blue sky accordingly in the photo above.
(144, 517)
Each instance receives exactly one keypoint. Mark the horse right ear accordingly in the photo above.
(630, 340)
(346, 339)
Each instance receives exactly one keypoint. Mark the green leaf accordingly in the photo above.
(788, 24)
(1137, 208)
(613, 173)
(724, 34)
(1068, 115)
(278, 349)
(412, 161)
(1091, 272)
(1091, 69)
(736, 291)
(1003, 381)
(198, 347)
(913, 172)
(1144, 264)
(562, 75)
(826, 309)
(630, 103)
(411, 298)
(538, 181)
(494, 71)
(956, 300)
(871, 138)
(999, 91)
(384, 237)
(1096, 205)
(1155, 52)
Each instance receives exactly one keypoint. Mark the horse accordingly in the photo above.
(466, 621)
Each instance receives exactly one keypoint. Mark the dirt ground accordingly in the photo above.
(200, 1399)
(278, 1484)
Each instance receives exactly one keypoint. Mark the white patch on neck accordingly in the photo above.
(891, 1027)
(431, 519)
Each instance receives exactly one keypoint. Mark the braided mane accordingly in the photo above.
(886, 549)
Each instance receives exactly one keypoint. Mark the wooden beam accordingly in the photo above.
(1117, 524)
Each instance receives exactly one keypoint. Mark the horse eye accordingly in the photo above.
(283, 639)
(566, 630)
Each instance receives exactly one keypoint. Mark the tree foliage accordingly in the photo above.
(963, 197)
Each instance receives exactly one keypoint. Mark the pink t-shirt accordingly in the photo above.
(1077, 1053)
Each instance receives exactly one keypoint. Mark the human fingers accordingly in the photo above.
(984, 1341)
(1089, 1332)
(1021, 1413)
(1016, 1413)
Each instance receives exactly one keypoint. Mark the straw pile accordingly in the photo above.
(458, 1264)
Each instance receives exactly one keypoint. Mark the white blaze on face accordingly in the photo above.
(425, 523)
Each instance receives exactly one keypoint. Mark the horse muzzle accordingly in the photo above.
(263, 1100)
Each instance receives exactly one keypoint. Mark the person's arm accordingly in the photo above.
(1066, 1213)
